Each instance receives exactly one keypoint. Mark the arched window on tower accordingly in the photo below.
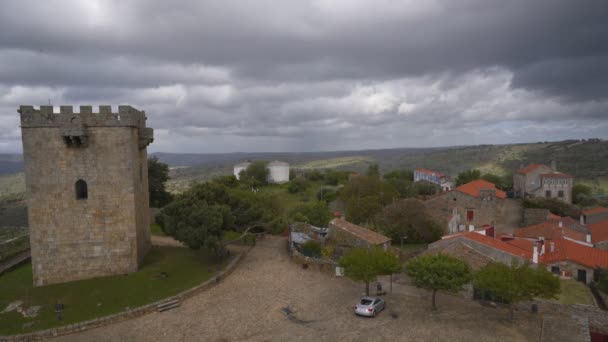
(81, 190)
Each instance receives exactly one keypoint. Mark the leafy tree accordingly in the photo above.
(366, 264)
(409, 218)
(501, 182)
(311, 248)
(366, 196)
(517, 283)
(227, 180)
(158, 175)
(439, 272)
(196, 223)
(326, 194)
(467, 176)
(334, 177)
(315, 213)
(255, 174)
(292, 174)
(406, 175)
(582, 195)
(425, 188)
(297, 184)
(405, 188)
(314, 175)
(373, 171)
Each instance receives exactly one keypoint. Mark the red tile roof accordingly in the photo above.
(529, 168)
(566, 250)
(550, 230)
(599, 231)
(472, 188)
(430, 172)
(362, 233)
(495, 243)
(556, 175)
(595, 211)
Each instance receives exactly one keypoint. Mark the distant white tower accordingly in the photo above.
(240, 167)
(279, 172)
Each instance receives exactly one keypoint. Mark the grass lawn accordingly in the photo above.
(91, 298)
(156, 230)
(574, 292)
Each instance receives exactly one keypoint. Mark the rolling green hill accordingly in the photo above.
(586, 159)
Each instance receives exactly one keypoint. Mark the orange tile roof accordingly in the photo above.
(472, 188)
(550, 230)
(360, 232)
(529, 168)
(566, 250)
(595, 211)
(430, 172)
(599, 231)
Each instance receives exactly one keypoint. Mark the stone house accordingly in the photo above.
(563, 256)
(537, 180)
(87, 191)
(348, 235)
(468, 206)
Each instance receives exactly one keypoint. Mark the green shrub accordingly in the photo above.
(311, 248)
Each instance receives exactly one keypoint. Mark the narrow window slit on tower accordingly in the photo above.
(81, 189)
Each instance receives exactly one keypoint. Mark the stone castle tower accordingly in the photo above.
(87, 191)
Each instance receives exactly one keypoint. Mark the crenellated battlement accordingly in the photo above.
(73, 126)
(45, 116)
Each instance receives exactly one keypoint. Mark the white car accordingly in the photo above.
(369, 306)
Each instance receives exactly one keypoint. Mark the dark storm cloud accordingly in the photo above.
(316, 72)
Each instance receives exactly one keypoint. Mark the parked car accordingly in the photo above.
(369, 306)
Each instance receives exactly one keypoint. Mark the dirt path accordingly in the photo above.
(159, 240)
(250, 305)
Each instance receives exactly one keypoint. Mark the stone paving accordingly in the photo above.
(268, 298)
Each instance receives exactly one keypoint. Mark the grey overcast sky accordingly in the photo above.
(312, 75)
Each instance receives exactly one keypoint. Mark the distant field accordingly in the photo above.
(12, 185)
(334, 163)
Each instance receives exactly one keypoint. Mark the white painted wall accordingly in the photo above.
(278, 174)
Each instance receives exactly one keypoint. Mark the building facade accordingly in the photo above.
(87, 191)
(537, 180)
(432, 177)
(469, 206)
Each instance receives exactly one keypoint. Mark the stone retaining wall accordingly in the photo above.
(324, 266)
(126, 315)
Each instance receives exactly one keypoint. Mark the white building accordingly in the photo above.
(278, 172)
(240, 167)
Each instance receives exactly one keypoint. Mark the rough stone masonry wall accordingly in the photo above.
(82, 238)
(484, 211)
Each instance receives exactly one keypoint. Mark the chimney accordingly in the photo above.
(535, 253)
(588, 237)
(553, 165)
(582, 220)
(560, 224)
(552, 247)
(471, 227)
(542, 249)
